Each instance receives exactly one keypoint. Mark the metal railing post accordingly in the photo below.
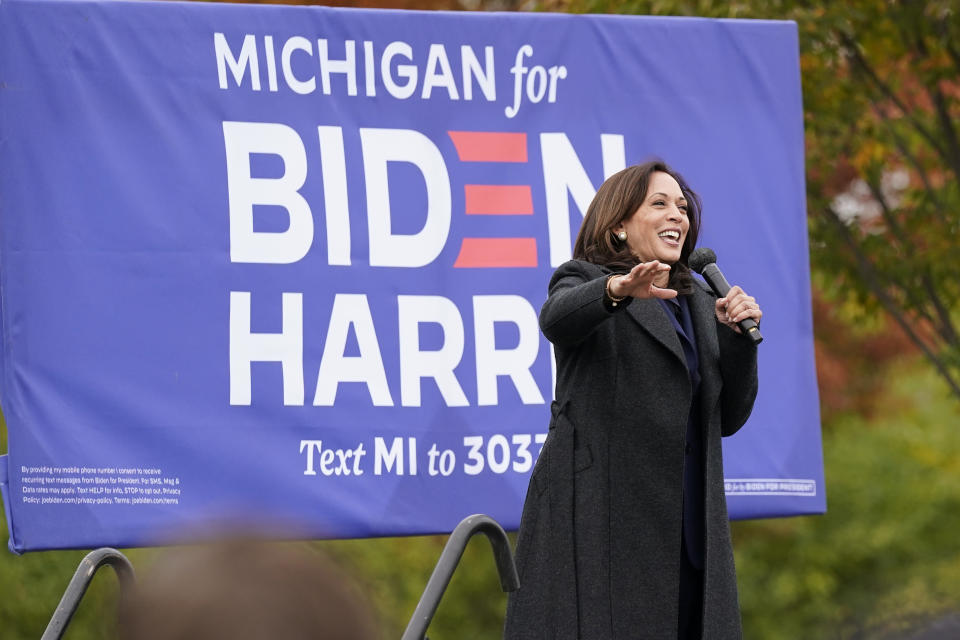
(450, 558)
(79, 583)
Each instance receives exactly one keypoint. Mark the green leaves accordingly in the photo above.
(885, 555)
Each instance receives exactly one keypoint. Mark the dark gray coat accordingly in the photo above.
(599, 543)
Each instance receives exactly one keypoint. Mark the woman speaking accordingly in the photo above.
(624, 531)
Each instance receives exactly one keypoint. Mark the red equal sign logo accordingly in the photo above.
(495, 200)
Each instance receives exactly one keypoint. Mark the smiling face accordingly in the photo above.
(658, 228)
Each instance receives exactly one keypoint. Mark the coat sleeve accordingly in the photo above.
(738, 367)
(577, 303)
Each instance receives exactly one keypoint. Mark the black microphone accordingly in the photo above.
(704, 262)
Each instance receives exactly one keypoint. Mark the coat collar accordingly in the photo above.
(702, 308)
(650, 315)
(652, 318)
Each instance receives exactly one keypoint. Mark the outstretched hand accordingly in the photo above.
(639, 282)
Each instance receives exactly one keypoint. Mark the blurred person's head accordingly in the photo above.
(245, 590)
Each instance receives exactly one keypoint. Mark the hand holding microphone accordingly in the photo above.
(734, 308)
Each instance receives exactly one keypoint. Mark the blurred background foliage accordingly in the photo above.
(881, 86)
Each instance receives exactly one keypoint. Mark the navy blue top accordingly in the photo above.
(693, 528)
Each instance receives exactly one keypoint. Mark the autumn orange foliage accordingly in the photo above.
(852, 364)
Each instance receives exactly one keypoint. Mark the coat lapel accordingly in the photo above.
(650, 315)
(708, 349)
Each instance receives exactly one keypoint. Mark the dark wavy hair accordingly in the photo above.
(617, 199)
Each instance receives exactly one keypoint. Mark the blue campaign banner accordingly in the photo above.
(285, 263)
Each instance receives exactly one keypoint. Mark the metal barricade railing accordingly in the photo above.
(450, 558)
(79, 583)
(417, 627)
